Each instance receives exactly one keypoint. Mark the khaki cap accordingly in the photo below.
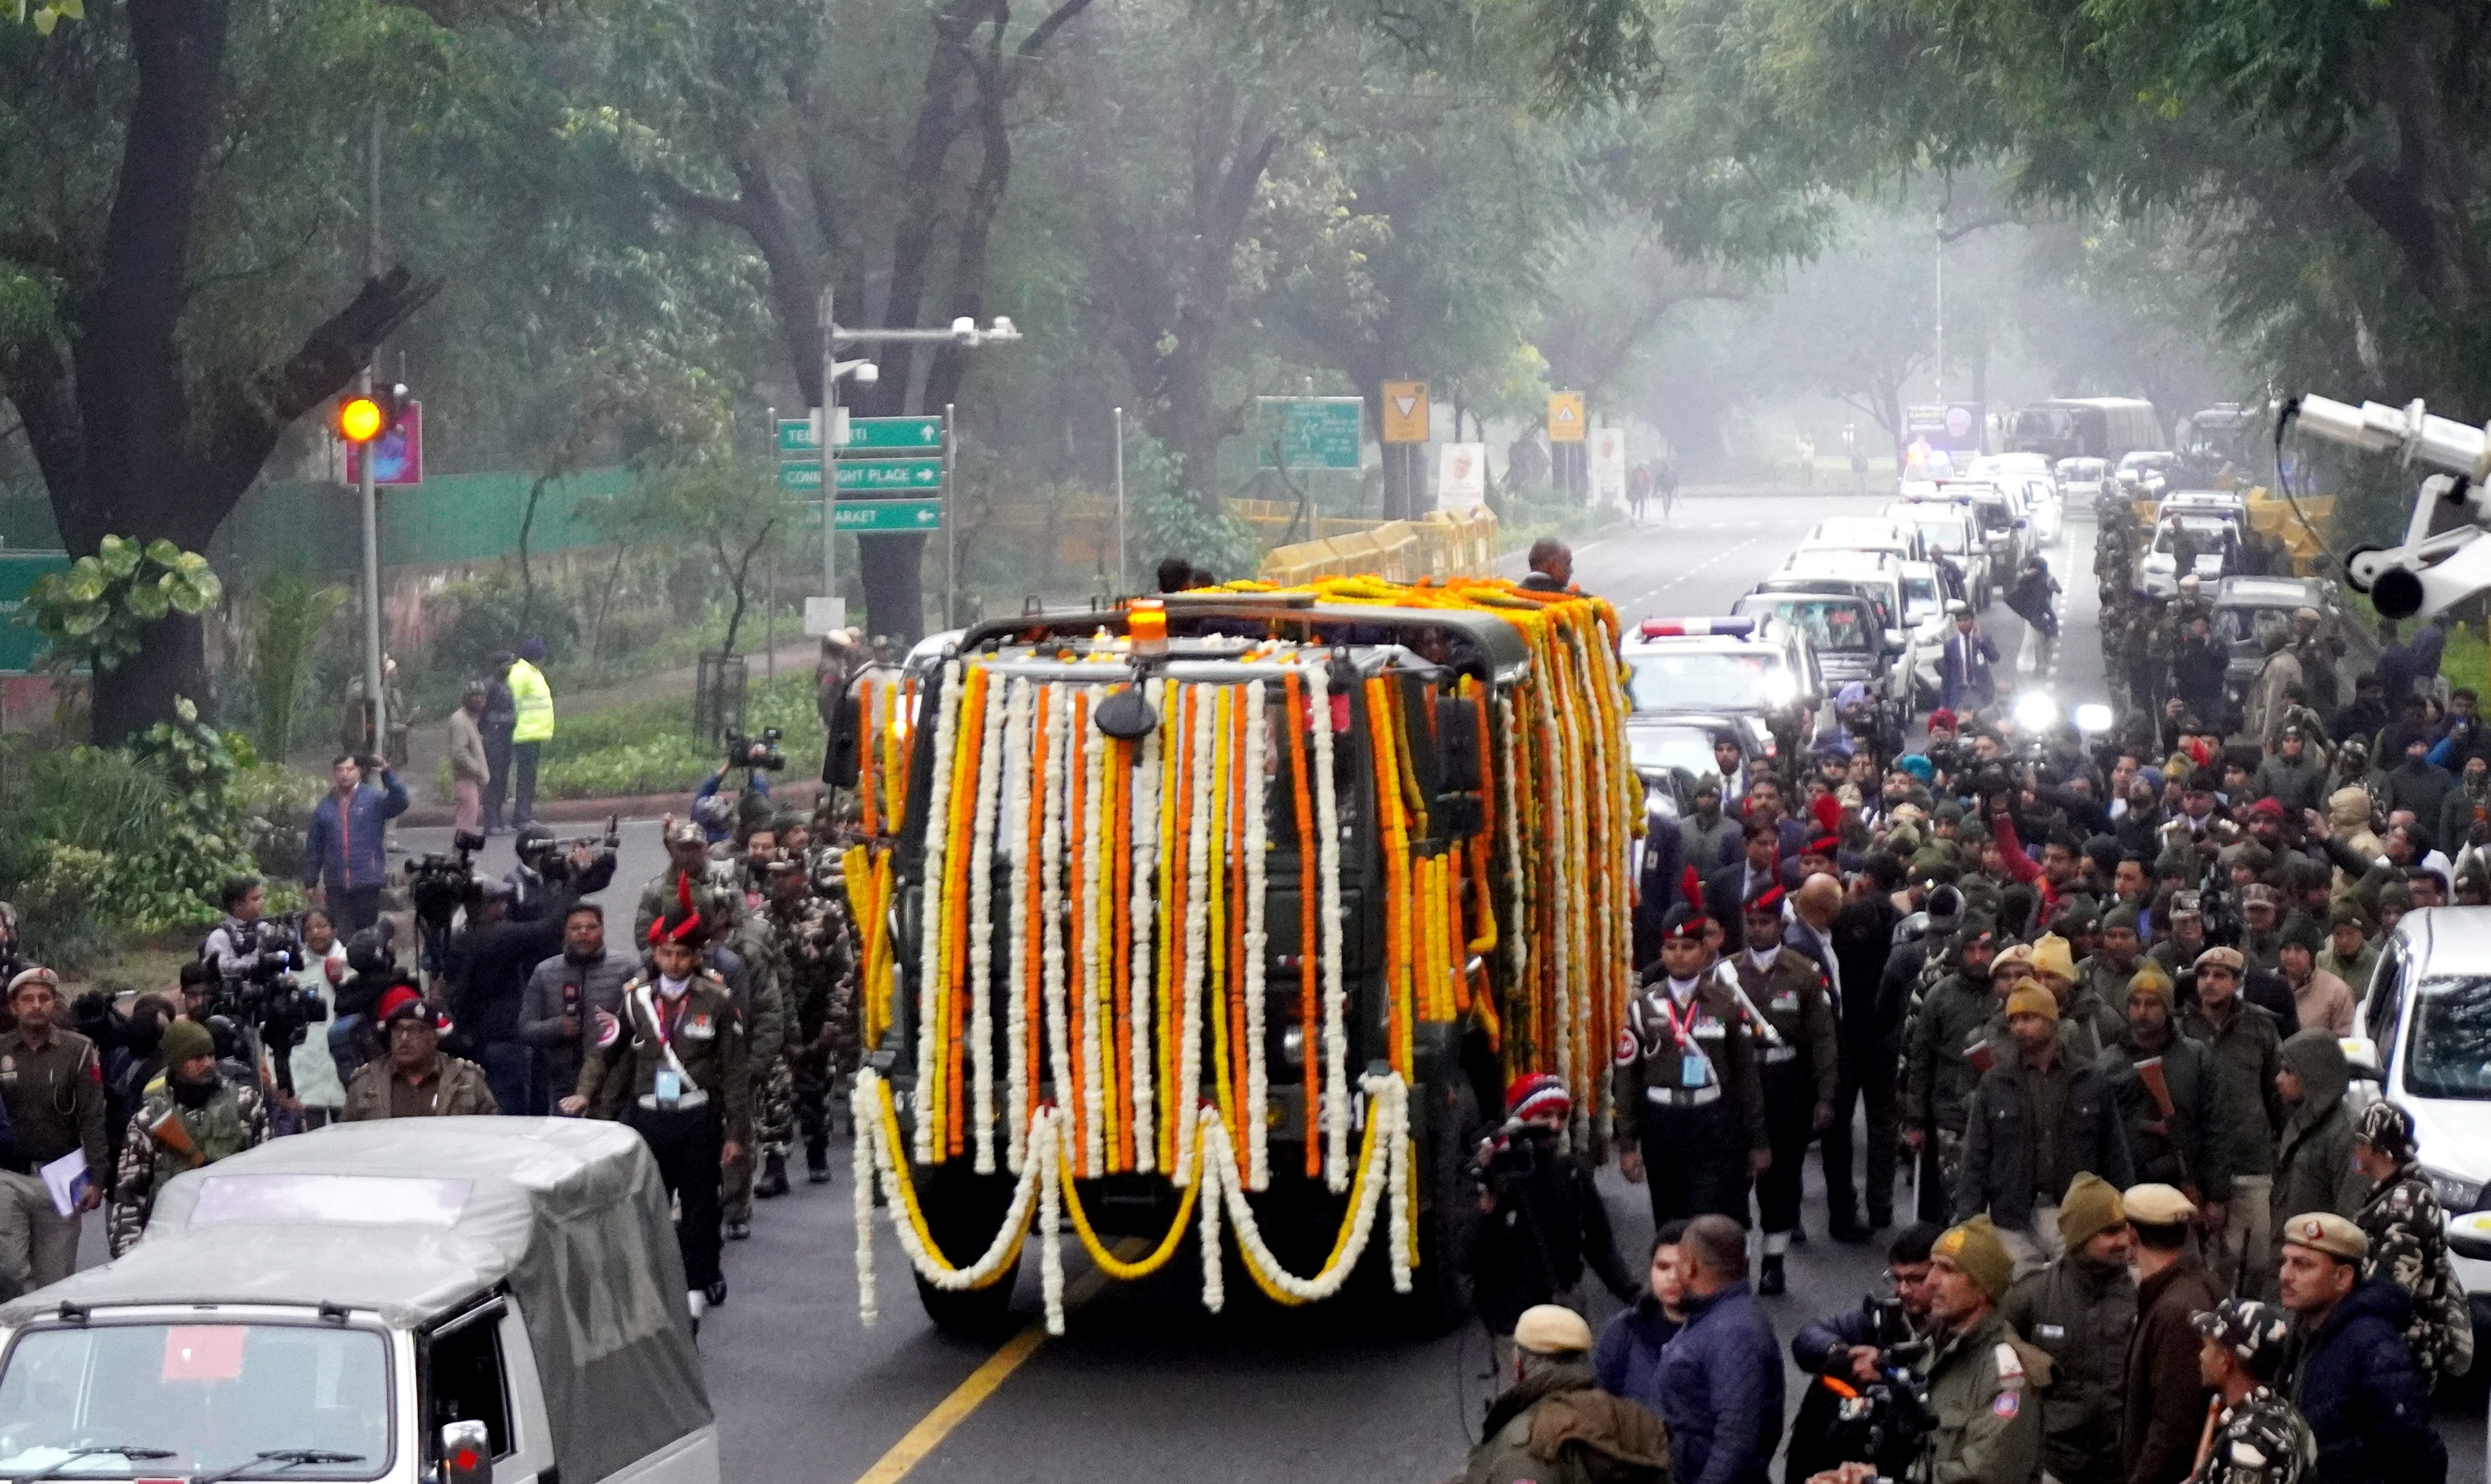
(2054, 959)
(1551, 1330)
(2158, 1205)
(2017, 960)
(2222, 958)
(2328, 1233)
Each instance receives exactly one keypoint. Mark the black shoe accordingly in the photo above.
(1798, 1237)
(1848, 1230)
(1770, 1282)
(773, 1178)
(817, 1164)
(737, 1230)
(1879, 1221)
(715, 1292)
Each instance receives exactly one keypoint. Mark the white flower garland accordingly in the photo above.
(1018, 711)
(982, 936)
(1557, 728)
(929, 964)
(1509, 824)
(1050, 906)
(1145, 816)
(1094, 916)
(1197, 930)
(861, 1187)
(1336, 1005)
(1036, 1208)
(1389, 1107)
(1258, 1082)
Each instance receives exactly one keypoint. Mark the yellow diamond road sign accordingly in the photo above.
(1405, 412)
(1565, 417)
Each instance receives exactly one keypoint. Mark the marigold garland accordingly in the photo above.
(930, 977)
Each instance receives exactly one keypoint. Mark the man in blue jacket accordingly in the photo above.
(2350, 1372)
(344, 865)
(1721, 1378)
(1628, 1363)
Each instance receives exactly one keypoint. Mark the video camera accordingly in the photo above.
(550, 858)
(264, 994)
(1887, 1421)
(439, 884)
(763, 752)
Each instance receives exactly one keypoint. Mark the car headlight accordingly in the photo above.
(1293, 1046)
(2456, 1194)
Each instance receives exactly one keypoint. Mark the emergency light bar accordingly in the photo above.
(1696, 628)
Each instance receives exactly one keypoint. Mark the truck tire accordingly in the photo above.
(962, 1210)
(1439, 1300)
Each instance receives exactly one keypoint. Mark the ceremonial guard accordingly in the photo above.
(1782, 991)
(1691, 1110)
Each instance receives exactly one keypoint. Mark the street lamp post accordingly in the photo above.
(964, 333)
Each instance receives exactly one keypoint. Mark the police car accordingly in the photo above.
(1754, 670)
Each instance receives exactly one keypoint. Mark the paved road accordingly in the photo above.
(1146, 1386)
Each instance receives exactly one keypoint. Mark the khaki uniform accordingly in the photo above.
(1686, 1093)
(1983, 1391)
(2081, 1316)
(1799, 1070)
(54, 1096)
(458, 1090)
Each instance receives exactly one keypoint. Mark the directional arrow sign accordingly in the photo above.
(916, 434)
(795, 437)
(879, 515)
(911, 474)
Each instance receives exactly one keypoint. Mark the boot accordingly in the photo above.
(737, 1230)
(715, 1292)
(1770, 1282)
(818, 1162)
(773, 1177)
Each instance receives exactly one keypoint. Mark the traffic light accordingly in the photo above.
(365, 416)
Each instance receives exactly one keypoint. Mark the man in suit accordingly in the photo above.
(1727, 891)
(1964, 679)
(1870, 1041)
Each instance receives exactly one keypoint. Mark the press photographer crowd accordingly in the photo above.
(2145, 1221)
(716, 1028)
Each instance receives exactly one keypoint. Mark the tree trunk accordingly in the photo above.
(527, 578)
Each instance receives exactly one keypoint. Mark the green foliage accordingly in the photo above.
(97, 612)
(1166, 522)
(288, 615)
(649, 749)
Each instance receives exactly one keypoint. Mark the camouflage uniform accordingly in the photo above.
(763, 1008)
(2259, 1440)
(2408, 1231)
(233, 1120)
(818, 948)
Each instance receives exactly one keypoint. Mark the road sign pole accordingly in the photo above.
(1123, 572)
(950, 537)
(829, 454)
(375, 699)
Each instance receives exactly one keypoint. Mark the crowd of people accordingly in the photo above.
(2091, 995)
(718, 1029)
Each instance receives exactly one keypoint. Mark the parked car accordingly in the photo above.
(1924, 618)
(2083, 478)
(1755, 667)
(1862, 639)
(2246, 609)
(2423, 1031)
(2004, 528)
(2216, 543)
(1866, 533)
(2142, 472)
(1951, 528)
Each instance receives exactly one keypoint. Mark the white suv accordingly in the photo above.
(2424, 1027)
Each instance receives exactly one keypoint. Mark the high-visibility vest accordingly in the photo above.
(534, 699)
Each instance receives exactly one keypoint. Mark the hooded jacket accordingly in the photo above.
(1559, 1429)
(2080, 1314)
(2313, 1167)
(2366, 1399)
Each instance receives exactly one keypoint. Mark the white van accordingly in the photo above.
(2424, 1025)
(419, 1302)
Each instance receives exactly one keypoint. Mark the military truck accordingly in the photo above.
(1409, 857)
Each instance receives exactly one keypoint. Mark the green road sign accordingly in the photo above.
(796, 438)
(19, 645)
(912, 474)
(864, 515)
(802, 478)
(870, 434)
(1317, 432)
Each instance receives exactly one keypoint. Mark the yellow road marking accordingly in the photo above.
(982, 1383)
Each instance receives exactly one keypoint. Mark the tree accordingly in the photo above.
(731, 507)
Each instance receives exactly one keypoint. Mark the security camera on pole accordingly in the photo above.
(831, 431)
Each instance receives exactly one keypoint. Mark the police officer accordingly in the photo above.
(2256, 1436)
(1691, 1113)
(677, 1072)
(2080, 1311)
(1983, 1379)
(1783, 994)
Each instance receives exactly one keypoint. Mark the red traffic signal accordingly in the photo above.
(364, 417)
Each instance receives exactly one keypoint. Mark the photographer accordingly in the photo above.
(547, 878)
(344, 859)
(1542, 1222)
(487, 979)
(245, 944)
(755, 759)
(1850, 1354)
